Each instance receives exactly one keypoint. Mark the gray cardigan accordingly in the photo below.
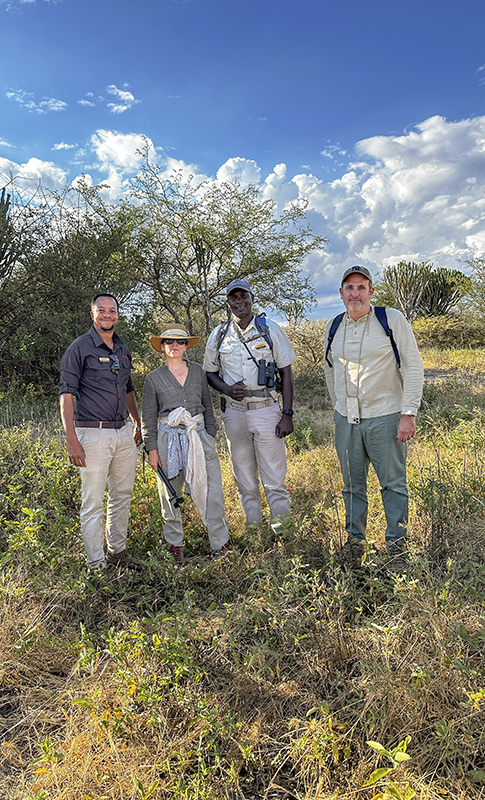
(162, 393)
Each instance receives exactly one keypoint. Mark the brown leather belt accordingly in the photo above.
(97, 424)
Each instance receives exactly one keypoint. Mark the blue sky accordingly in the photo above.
(374, 111)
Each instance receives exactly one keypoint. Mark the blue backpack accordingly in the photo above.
(381, 315)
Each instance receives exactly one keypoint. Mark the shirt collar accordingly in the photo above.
(252, 325)
(98, 340)
(351, 321)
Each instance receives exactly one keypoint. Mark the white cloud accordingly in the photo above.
(125, 99)
(419, 196)
(119, 150)
(118, 158)
(51, 104)
(27, 176)
(244, 170)
(332, 151)
(4, 143)
(416, 196)
(27, 100)
(63, 146)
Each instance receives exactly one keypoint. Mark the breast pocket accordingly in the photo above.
(262, 351)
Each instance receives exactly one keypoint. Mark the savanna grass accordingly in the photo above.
(261, 675)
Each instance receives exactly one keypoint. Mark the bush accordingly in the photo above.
(450, 332)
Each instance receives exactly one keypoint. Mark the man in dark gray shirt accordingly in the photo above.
(96, 397)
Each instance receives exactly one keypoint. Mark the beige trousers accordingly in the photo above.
(110, 459)
(256, 451)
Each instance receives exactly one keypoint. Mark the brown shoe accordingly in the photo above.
(352, 552)
(123, 559)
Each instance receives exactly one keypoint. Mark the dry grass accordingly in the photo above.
(260, 676)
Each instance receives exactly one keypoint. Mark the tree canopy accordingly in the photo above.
(168, 249)
(194, 239)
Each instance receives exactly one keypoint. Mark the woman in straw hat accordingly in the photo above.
(179, 431)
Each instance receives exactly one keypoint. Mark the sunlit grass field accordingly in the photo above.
(275, 673)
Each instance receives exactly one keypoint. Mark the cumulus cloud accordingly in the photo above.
(332, 151)
(415, 196)
(244, 170)
(124, 99)
(119, 150)
(27, 100)
(32, 173)
(118, 157)
(418, 196)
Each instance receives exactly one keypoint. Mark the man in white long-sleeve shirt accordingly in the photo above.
(375, 403)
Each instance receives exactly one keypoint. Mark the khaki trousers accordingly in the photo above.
(256, 451)
(110, 459)
(217, 525)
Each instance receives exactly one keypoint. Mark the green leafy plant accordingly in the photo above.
(397, 756)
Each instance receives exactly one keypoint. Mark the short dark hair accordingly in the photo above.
(105, 294)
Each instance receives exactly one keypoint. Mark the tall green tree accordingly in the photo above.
(74, 254)
(402, 286)
(444, 290)
(194, 239)
(421, 290)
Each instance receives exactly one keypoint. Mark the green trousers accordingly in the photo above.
(373, 441)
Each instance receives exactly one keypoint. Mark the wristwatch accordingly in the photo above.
(288, 412)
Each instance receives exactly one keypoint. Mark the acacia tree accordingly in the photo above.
(194, 239)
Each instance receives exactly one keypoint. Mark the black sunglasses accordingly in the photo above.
(115, 364)
(171, 341)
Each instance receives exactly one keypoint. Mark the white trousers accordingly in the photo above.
(256, 451)
(110, 459)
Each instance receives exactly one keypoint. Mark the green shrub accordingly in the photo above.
(450, 332)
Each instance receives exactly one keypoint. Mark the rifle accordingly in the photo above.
(174, 498)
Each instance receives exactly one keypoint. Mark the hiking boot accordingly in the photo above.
(177, 554)
(123, 559)
(215, 554)
(352, 552)
(396, 550)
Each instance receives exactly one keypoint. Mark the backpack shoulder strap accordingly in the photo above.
(224, 327)
(263, 328)
(222, 333)
(331, 335)
(381, 315)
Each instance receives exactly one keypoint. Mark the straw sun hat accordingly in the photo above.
(173, 330)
